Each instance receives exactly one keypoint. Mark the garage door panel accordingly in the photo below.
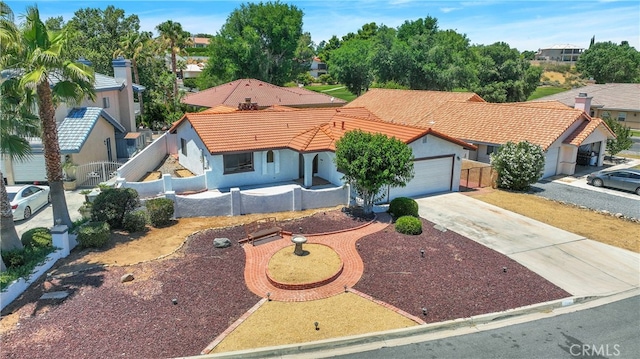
(431, 176)
(551, 162)
(31, 170)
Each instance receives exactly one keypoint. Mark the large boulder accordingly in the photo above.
(222, 242)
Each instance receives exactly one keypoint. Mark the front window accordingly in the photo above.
(491, 149)
(269, 156)
(183, 146)
(622, 116)
(239, 162)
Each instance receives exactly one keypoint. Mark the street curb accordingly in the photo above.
(313, 349)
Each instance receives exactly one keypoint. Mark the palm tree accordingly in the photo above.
(39, 63)
(132, 47)
(175, 39)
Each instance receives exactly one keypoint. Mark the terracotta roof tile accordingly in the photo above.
(585, 129)
(408, 106)
(304, 130)
(220, 109)
(264, 94)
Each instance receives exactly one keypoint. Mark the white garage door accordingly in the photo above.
(551, 162)
(431, 176)
(31, 170)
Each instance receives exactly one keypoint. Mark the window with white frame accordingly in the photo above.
(238, 162)
(622, 116)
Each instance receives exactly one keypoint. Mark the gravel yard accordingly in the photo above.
(104, 318)
(591, 199)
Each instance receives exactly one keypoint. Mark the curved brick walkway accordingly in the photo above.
(344, 243)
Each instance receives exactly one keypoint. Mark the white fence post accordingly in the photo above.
(297, 198)
(60, 239)
(166, 181)
(235, 202)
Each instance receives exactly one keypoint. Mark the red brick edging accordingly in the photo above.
(301, 286)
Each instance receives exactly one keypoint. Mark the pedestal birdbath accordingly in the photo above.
(298, 240)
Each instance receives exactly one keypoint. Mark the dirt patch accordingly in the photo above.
(584, 222)
(340, 315)
(183, 173)
(318, 262)
(151, 176)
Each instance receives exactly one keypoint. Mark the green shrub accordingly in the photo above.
(37, 237)
(519, 165)
(112, 204)
(160, 211)
(31, 258)
(403, 206)
(135, 221)
(409, 225)
(327, 79)
(14, 258)
(93, 234)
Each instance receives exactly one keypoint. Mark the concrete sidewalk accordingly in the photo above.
(580, 266)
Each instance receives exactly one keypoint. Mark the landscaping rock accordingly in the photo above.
(221, 242)
(55, 295)
(126, 278)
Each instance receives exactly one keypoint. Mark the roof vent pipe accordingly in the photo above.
(582, 94)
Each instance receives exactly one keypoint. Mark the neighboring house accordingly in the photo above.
(255, 93)
(617, 101)
(317, 68)
(566, 134)
(199, 41)
(109, 118)
(561, 53)
(192, 71)
(244, 148)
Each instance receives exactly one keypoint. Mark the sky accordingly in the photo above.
(524, 25)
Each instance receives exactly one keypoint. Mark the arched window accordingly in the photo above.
(269, 156)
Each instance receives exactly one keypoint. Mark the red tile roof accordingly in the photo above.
(264, 94)
(304, 130)
(585, 129)
(467, 117)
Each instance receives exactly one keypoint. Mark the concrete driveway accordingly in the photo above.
(44, 217)
(580, 266)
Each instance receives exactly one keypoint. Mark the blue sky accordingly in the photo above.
(525, 25)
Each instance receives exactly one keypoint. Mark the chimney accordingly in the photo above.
(122, 72)
(583, 102)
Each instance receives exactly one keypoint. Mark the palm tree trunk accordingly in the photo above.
(174, 68)
(52, 154)
(9, 238)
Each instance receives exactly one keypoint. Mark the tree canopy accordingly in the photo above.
(372, 161)
(258, 41)
(351, 65)
(623, 141)
(607, 62)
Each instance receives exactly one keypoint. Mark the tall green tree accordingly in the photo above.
(351, 65)
(17, 123)
(503, 74)
(257, 41)
(174, 39)
(371, 162)
(623, 140)
(98, 33)
(607, 62)
(38, 63)
(133, 47)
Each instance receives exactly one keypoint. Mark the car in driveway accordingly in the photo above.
(624, 179)
(26, 200)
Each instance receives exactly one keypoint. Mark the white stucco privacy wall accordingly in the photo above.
(266, 203)
(322, 198)
(145, 161)
(210, 206)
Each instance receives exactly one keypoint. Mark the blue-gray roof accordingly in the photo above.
(74, 130)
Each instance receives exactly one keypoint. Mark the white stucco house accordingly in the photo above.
(568, 135)
(262, 147)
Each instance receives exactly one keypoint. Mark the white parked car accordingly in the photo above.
(25, 200)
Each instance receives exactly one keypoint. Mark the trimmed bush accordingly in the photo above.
(112, 204)
(14, 258)
(160, 211)
(135, 221)
(39, 237)
(403, 206)
(93, 234)
(409, 225)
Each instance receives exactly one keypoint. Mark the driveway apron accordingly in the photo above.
(580, 266)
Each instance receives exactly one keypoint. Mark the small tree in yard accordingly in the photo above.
(371, 161)
(519, 165)
(622, 141)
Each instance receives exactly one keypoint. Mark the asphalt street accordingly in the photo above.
(607, 331)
